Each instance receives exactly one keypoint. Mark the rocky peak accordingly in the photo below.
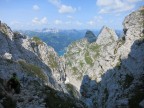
(90, 36)
(113, 76)
(106, 36)
(134, 25)
(6, 30)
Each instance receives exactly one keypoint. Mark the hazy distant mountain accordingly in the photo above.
(106, 72)
(60, 39)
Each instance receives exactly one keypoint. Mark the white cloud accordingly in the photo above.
(91, 22)
(68, 22)
(66, 9)
(62, 8)
(70, 17)
(58, 22)
(44, 20)
(104, 2)
(15, 23)
(78, 23)
(95, 20)
(40, 21)
(55, 2)
(133, 1)
(36, 7)
(116, 6)
(98, 18)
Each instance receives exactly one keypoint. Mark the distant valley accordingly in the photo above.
(60, 39)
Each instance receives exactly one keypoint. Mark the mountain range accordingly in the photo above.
(104, 71)
(60, 39)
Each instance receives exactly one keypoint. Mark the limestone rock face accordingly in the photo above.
(106, 36)
(112, 72)
(6, 30)
(22, 50)
(108, 72)
(35, 63)
(92, 59)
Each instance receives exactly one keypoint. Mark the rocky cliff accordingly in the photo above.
(107, 71)
(39, 69)
(20, 50)
(110, 70)
(93, 59)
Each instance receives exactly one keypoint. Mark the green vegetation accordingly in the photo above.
(72, 90)
(4, 30)
(88, 59)
(106, 94)
(118, 65)
(120, 42)
(136, 99)
(95, 48)
(57, 99)
(75, 70)
(37, 40)
(128, 81)
(105, 97)
(16, 33)
(115, 50)
(52, 61)
(138, 94)
(69, 63)
(81, 64)
(69, 54)
(141, 40)
(10, 61)
(95, 102)
(33, 70)
(9, 102)
(142, 11)
(80, 76)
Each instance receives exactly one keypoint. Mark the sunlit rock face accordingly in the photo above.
(20, 49)
(36, 65)
(115, 65)
(106, 36)
(107, 71)
(93, 59)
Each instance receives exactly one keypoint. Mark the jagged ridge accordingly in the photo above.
(115, 77)
(39, 69)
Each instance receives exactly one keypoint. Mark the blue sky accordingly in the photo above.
(66, 14)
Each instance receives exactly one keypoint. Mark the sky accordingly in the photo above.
(66, 14)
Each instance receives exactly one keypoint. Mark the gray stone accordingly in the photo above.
(141, 104)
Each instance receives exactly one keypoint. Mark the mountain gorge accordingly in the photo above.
(39, 69)
(58, 39)
(95, 72)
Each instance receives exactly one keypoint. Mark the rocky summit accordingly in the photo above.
(109, 72)
(102, 72)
